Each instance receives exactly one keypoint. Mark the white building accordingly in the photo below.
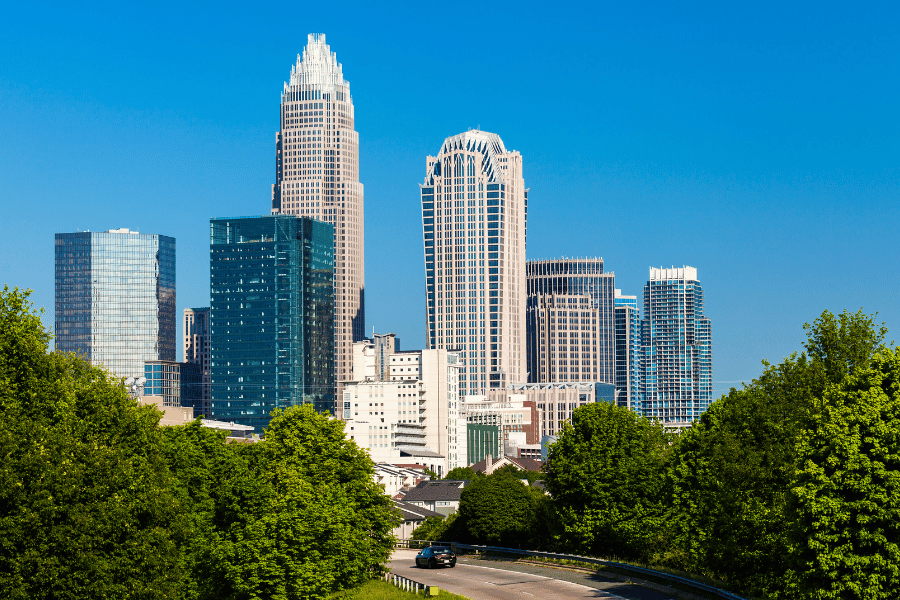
(317, 176)
(415, 414)
(516, 417)
(371, 357)
(474, 214)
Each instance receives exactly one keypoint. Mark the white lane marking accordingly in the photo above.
(541, 577)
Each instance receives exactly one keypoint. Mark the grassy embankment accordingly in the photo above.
(382, 590)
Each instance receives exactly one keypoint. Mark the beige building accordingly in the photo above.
(555, 402)
(317, 176)
(371, 357)
(474, 215)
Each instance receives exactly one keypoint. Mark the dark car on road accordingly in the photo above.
(435, 556)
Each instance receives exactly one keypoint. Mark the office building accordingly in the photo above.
(271, 317)
(176, 384)
(555, 402)
(628, 342)
(371, 357)
(317, 176)
(196, 350)
(677, 347)
(115, 298)
(474, 215)
(415, 413)
(570, 321)
(515, 416)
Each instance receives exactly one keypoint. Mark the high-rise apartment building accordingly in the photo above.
(677, 347)
(628, 342)
(317, 176)
(474, 215)
(271, 316)
(196, 351)
(115, 298)
(570, 321)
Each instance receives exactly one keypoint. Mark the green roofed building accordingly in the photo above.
(271, 316)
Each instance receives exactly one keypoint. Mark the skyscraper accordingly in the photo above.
(196, 350)
(115, 298)
(271, 316)
(571, 332)
(677, 346)
(317, 176)
(474, 216)
(628, 341)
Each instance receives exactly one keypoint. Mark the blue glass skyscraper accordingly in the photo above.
(271, 316)
(628, 341)
(676, 347)
(115, 298)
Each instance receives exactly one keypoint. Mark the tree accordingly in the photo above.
(845, 497)
(732, 470)
(461, 473)
(86, 509)
(606, 474)
(496, 510)
(307, 521)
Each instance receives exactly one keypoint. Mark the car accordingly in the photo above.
(434, 556)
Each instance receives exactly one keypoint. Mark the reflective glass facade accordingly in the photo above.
(677, 347)
(115, 298)
(178, 384)
(628, 340)
(271, 316)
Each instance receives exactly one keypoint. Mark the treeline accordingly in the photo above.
(788, 488)
(97, 501)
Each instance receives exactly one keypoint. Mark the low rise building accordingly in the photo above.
(439, 496)
(412, 516)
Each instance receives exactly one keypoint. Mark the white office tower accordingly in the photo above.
(371, 357)
(474, 216)
(676, 340)
(317, 176)
(413, 416)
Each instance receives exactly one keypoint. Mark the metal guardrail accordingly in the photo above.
(599, 561)
(410, 585)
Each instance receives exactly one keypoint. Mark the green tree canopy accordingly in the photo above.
(606, 476)
(845, 497)
(86, 507)
(496, 510)
(461, 473)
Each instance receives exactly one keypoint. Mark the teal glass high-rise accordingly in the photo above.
(271, 316)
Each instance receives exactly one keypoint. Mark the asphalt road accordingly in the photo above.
(516, 581)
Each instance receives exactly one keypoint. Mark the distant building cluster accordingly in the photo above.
(513, 346)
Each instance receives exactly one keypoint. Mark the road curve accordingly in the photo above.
(527, 582)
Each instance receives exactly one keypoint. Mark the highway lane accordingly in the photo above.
(537, 583)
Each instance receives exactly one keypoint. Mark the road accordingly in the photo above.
(517, 581)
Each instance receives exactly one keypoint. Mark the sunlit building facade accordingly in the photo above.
(115, 298)
(628, 364)
(317, 176)
(271, 317)
(474, 215)
(677, 347)
(570, 321)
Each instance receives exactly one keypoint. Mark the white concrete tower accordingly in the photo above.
(474, 215)
(317, 175)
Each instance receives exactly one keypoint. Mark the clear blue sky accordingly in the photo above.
(758, 142)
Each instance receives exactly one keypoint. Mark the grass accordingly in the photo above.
(382, 590)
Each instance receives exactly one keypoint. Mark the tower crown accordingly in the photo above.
(317, 65)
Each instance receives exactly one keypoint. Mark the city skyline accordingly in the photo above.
(772, 145)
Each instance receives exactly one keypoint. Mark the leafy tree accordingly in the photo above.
(845, 498)
(496, 510)
(606, 474)
(461, 473)
(732, 470)
(86, 509)
(308, 520)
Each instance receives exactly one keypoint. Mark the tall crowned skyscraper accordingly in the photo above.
(676, 340)
(317, 175)
(474, 215)
(115, 298)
